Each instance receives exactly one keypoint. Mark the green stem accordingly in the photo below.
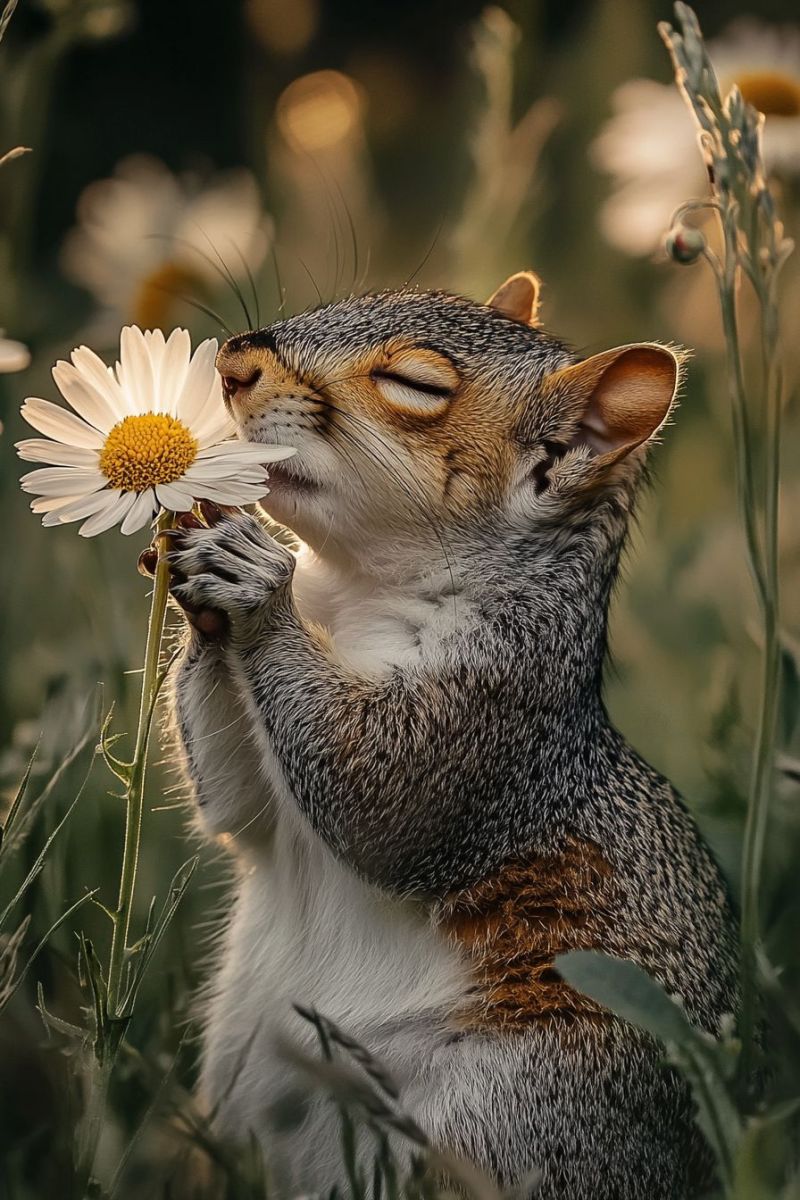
(736, 389)
(764, 757)
(134, 794)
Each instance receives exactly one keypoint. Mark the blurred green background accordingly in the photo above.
(341, 146)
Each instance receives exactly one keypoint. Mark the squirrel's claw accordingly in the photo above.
(146, 562)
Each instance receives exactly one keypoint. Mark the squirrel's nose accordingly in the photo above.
(239, 366)
(236, 382)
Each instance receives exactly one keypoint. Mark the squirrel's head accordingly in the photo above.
(419, 411)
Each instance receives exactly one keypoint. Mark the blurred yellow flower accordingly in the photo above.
(146, 237)
(151, 433)
(649, 145)
(319, 112)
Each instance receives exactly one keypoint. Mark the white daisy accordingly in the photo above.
(145, 238)
(150, 434)
(14, 356)
(649, 145)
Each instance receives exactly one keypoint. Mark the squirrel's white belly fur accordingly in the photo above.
(307, 930)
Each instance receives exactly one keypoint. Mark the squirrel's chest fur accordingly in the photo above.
(373, 631)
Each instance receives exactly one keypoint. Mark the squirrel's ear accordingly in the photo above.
(623, 397)
(518, 297)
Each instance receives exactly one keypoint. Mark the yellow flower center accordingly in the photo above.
(147, 449)
(157, 293)
(772, 94)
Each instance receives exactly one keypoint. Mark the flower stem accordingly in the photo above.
(134, 792)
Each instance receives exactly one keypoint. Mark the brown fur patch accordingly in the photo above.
(513, 924)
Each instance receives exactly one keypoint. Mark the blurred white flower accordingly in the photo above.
(649, 145)
(14, 356)
(146, 238)
(149, 434)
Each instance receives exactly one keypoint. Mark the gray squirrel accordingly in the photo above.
(399, 731)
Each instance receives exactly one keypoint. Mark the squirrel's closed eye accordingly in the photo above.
(419, 384)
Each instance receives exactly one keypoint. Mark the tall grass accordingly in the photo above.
(727, 1077)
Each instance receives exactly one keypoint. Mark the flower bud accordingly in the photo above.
(685, 244)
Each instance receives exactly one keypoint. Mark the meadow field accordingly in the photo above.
(214, 166)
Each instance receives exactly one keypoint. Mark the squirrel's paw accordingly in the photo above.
(232, 567)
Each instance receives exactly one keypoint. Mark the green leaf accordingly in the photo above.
(626, 989)
(19, 797)
(116, 766)
(91, 973)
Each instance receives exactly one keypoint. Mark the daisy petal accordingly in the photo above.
(135, 370)
(244, 452)
(102, 378)
(142, 510)
(174, 366)
(229, 469)
(45, 504)
(199, 379)
(63, 481)
(81, 395)
(57, 423)
(219, 429)
(210, 413)
(173, 497)
(218, 448)
(277, 453)
(116, 510)
(155, 344)
(76, 510)
(221, 493)
(47, 451)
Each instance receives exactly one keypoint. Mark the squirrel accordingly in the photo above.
(399, 729)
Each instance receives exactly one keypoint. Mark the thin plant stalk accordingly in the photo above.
(754, 246)
(134, 792)
(766, 738)
(742, 438)
(764, 565)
